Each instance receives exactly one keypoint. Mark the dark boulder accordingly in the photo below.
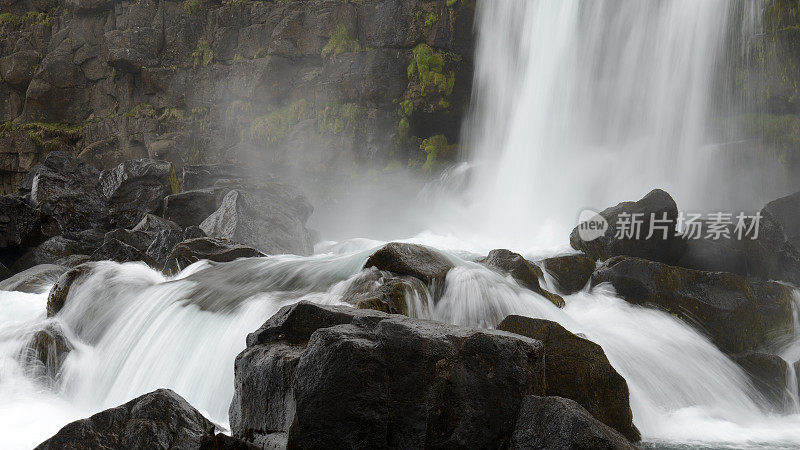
(206, 175)
(155, 224)
(5, 272)
(332, 377)
(412, 260)
(737, 315)
(166, 240)
(136, 188)
(382, 291)
(139, 240)
(523, 271)
(571, 272)
(67, 192)
(769, 375)
(656, 204)
(557, 423)
(20, 228)
(33, 280)
(159, 420)
(212, 249)
(119, 251)
(48, 252)
(785, 212)
(47, 350)
(59, 293)
(578, 369)
(190, 208)
(269, 217)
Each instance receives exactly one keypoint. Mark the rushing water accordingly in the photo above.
(578, 103)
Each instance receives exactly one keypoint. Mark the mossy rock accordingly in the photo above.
(571, 272)
(523, 271)
(412, 260)
(578, 369)
(59, 293)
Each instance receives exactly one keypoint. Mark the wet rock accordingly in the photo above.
(119, 251)
(136, 188)
(20, 228)
(59, 293)
(5, 272)
(203, 176)
(560, 423)
(139, 240)
(34, 280)
(154, 224)
(412, 260)
(264, 217)
(212, 249)
(382, 291)
(775, 254)
(768, 373)
(190, 208)
(571, 272)
(737, 315)
(166, 240)
(159, 420)
(67, 192)
(73, 260)
(522, 270)
(577, 368)
(48, 252)
(319, 376)
(48, 348)
(657, 204)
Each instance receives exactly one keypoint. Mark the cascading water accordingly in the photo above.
(579, 103)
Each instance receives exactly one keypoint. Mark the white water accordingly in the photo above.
(580, 103)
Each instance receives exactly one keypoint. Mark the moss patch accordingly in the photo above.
(340, 42)
(273, 127)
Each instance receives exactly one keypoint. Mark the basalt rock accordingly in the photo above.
(136, 188)
(155, 224)
(768, 373)
(523, 271)
(663, 245)
(20, 228)
(59, 293)
(382, 291)
(190, 208)
(33, 280)
(159, 420)
(737, 315)
(270, 217)
(412, 260)
(320, 376)
(560, 423)
(203, 176)
(578, 369)
(166, 240)
(571, 272)
(67, 192)
(48, 252)
(212, 249)
(119, 251)
(47, 350)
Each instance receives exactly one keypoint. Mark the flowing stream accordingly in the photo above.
(577, 103)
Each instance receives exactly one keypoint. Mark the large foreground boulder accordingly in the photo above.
(334, 377)
(212, 249)
(137, 187)
(571, 272)
(270, 217)
(159, 420)
(663, 245)
(67, 192)
(557, 423)
(412, 260)
(578, 368)
(521, 270)
(737, 315)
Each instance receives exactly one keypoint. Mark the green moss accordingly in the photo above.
(340, 42)
(260, 53)
(403, 128)
(36, 18)
(203, 54)
(140, 111)
(192, 7)
(430, 19)
(172, 115)
(10, 20)
(406, 108)
(273, 127)
(336, 118)
(436, 148)
(428, 68)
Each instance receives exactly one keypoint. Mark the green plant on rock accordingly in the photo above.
(10, 20)
(273, 127)
(172, 115)
(340, 42)
(192, 7)
(140, 111)
(436, 148)
(427, 66)
(430, 19)
(260, 53)
(36, 18)
(203, 54)
(336, 118)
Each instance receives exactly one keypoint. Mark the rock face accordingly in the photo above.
(67, 192)
(191, 207)
(523, 271)
(54, 251)
(315, 376)
(657, 204)
(577, 368)
(768, 373)
(20, 228)
(382, 291)
(212, 249)
(414, 261)
(571, 272)
(560, 423)
(270, 217)
(159, 420)
(737, 315)
(33, 280)
(136, 188)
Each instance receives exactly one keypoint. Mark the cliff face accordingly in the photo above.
(309, 83)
